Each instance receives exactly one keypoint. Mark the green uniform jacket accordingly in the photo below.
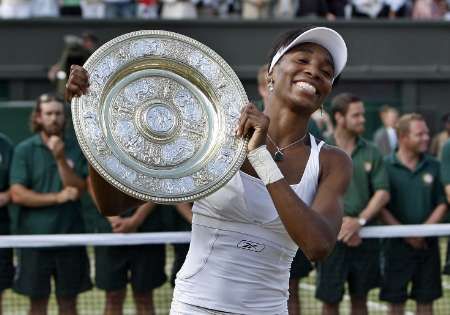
(34, 167)
(369, 175)
(414, 194)
(445, 163)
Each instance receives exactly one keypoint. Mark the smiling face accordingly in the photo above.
(417, 138)
(304, 76)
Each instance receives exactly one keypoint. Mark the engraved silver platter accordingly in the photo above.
(158, 120)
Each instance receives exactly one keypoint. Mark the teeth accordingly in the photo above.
(306, 87)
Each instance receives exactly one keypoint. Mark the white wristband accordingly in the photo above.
(264, 165)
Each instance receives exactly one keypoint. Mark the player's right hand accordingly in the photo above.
(77, 84)
(67, 194)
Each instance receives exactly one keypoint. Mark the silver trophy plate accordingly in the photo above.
(159, 119)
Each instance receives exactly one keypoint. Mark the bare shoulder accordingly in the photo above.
(333, 160)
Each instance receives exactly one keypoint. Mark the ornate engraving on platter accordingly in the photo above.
(158, 121)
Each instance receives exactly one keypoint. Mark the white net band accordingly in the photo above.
(108, 239)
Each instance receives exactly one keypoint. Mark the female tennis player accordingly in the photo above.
(286, 195)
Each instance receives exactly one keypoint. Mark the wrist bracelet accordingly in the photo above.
(264, 165)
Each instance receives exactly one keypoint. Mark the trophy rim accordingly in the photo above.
(100, 169)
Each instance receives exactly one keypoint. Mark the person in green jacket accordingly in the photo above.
(47, 178)
(417, 197)
(354, 261)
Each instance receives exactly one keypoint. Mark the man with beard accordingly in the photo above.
(354, 260)
(46, 182)
(417, 197)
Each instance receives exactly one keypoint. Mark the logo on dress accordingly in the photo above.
(427, 178)
(367, 166)
(251, 246)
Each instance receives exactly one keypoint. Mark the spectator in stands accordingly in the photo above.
(398, 8)
(16, 9)
(255, 9)
(354, 260)
(441, 138)
(429, 9)
(120, 9)
(140, 265)
(147, 9)
(45, 8)
(445, 174)
(385, 137)
(369, 8)
(314, 8)
(76, 51)
(6, 254)
(70, 8)
(417, 197)
(92, 9)
(178, 9)
(284, 9)
(339, 8)
(89, 41)
(46, 182)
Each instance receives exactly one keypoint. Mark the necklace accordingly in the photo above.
(279, 155)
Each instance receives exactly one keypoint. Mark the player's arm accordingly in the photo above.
(109, 200)
(315, 228)
(185, 210)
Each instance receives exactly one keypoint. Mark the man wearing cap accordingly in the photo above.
(417, 197)
(6, 254)
(354, 261)
(46, 182)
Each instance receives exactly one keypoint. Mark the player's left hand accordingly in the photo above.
(253, 124)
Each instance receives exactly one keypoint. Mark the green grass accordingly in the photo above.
(92, 302)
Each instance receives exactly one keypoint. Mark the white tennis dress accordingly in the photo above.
(240, 252)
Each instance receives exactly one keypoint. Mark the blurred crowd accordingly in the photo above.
(246, 9)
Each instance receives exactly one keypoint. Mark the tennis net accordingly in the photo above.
(92, 302)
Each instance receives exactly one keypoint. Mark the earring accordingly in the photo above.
(270, 85)
(321, 110)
